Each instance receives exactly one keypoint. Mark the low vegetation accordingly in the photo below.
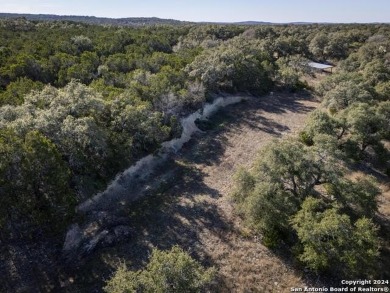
(166, 271)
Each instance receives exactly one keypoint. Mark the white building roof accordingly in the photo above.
(319, 65)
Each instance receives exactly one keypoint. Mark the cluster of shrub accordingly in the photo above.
(298, 193)
(167, 271)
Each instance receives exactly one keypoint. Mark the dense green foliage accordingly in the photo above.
(34, 183)
(297, 192)
(99, 98)
(167, 271)
(330, 241)
(79, 103)
(357, 100)
(277, 199)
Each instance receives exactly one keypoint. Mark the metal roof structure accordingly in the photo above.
(319, 65)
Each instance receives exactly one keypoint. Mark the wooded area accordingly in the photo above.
(80, 103)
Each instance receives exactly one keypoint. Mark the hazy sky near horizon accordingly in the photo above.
(213, 10)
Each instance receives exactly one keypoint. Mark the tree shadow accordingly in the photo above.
(252, 108)
(269, 126)
(161, 219)
(209, 148)
(282, 102)
(30, 265)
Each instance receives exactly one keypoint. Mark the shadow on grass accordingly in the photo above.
(173, 209)
(160, 219)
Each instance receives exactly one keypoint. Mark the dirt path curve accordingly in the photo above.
(193, 209)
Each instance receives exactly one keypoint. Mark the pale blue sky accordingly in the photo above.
(214, 10)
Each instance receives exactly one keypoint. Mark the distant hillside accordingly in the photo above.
(130, 21)
(253, 23)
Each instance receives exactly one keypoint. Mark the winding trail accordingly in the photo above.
(192, 207)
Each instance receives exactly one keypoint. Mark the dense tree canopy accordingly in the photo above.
(79, 103)
(331, 242)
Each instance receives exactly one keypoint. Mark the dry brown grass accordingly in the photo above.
(245, 265)
(196, 212)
